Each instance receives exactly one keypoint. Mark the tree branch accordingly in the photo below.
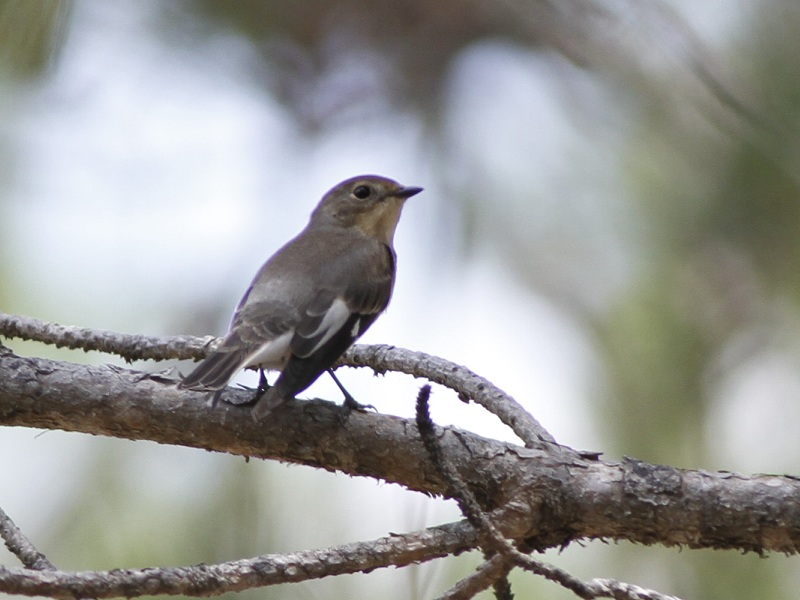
(238, 575)
(499, 551)
(489, 572)
(546, 497)
(468, 385)
(539, 497)
(129, 347)
(19, 545)
(380, 358)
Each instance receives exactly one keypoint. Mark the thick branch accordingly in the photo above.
(380, 358)
(546, 498)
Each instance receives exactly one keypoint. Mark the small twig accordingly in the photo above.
(611, 588)
(19, 545)
(493, 540)
(484, 577)
(469, 386)
(427, 430)
(502, 588)
(469, 505)
(561, 577)
(464, 497)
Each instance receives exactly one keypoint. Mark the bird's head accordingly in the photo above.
(368, 203)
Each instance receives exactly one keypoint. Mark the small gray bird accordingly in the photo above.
(315, 296)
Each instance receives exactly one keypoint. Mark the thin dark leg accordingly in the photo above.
(349, 402)
(263, 384)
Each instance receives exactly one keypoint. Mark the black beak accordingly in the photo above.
(407, 191)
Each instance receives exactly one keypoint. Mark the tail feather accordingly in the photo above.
(215, 371)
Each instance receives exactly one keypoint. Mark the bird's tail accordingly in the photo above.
(215, 371)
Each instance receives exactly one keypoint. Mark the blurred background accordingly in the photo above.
(610, 232)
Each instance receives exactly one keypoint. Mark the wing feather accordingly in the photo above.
(321, 316)
(215, 371)
(322, 336)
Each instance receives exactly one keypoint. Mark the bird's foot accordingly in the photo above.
(258, 392)
(349, 405)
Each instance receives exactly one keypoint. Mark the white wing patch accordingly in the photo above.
(356, 331)
(333, 320)
(274, 354)
(271, 355)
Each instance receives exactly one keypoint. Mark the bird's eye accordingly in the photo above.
(362, 192)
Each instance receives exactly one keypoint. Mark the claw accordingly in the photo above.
(350, 404)
(263, 386)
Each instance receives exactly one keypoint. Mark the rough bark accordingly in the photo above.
(546, 496)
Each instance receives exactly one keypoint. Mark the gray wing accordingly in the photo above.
(326, 301)
(251, 329)
(329, 326)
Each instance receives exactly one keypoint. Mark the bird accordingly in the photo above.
(314, 297)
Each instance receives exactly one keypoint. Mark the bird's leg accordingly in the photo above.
(350, 403)
(260, 390)
(263, 385)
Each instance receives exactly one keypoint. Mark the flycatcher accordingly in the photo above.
(315, 296)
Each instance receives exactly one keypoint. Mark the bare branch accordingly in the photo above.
(538, 497)
(468, 385)
(611, 588)
(549, 497)
(129, 347)
(467, 502)
(489, 572)
(380, 358)
(19, 545)
(492, 540)
(498, 566)
(238, 575)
